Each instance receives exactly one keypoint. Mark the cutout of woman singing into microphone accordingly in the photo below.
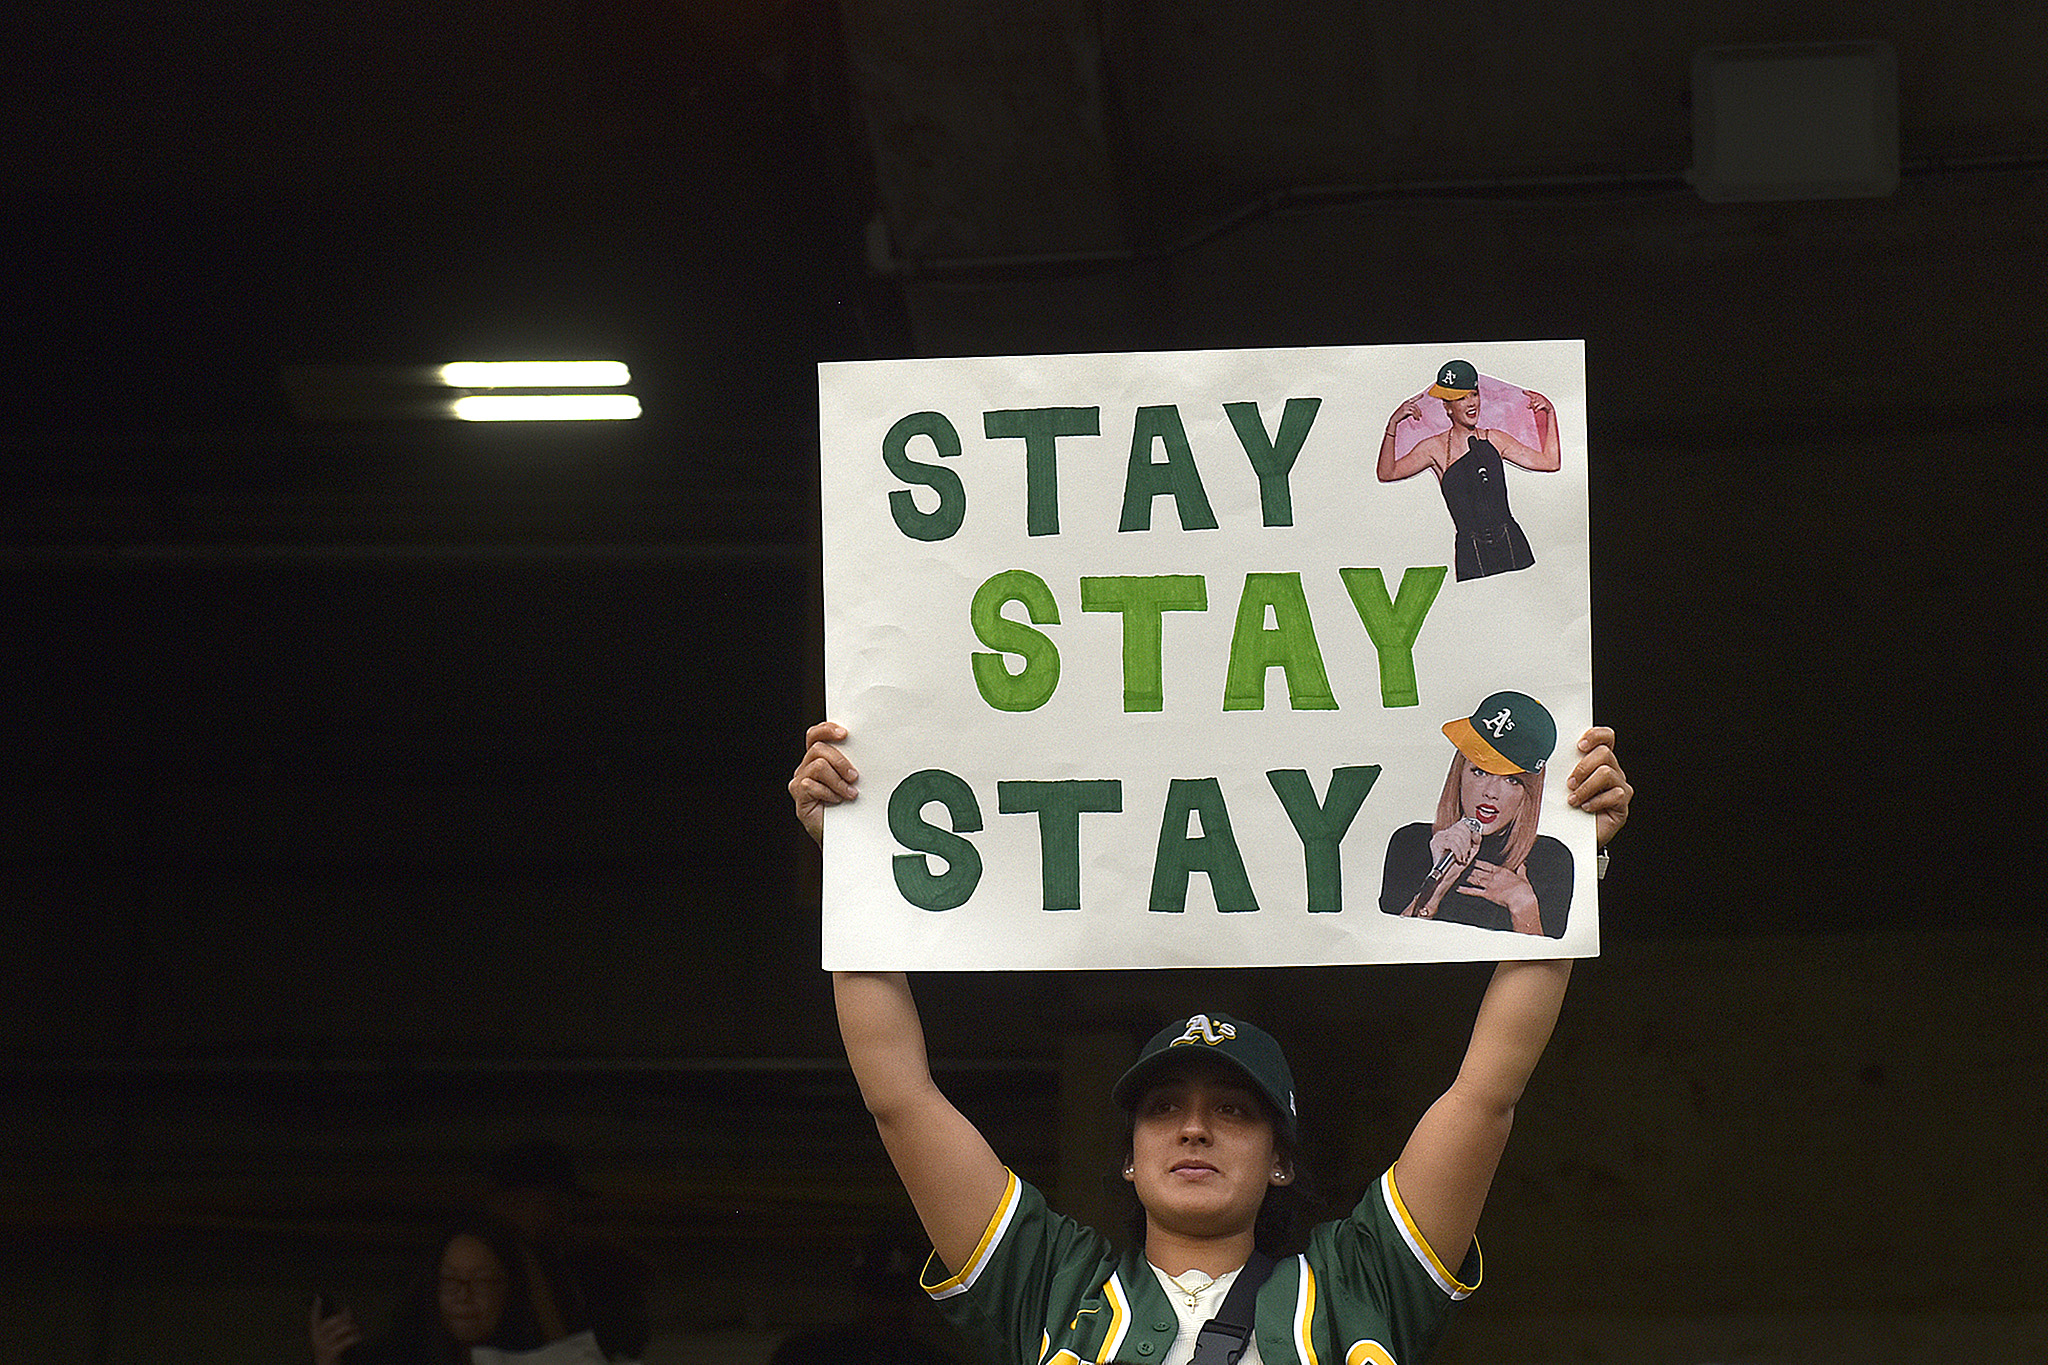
(1481, 860)
(1470, 461)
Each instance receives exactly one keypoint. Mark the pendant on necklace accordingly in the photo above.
(1193, 1292)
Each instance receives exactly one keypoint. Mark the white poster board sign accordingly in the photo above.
(1147, 659)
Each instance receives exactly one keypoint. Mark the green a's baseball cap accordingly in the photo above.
(1243, 1047)
(1507, 733)
(1456, 379)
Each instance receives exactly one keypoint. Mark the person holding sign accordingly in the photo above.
(1481, 861)
(1467, 461)
(1213, 1135)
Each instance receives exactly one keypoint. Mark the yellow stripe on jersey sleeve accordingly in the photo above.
(1006, 1207)
(1446, 1281)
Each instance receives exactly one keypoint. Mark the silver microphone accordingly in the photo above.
(1443, 864)
(1436, 874)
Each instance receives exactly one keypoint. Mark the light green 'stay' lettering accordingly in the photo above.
(1143, 602)
(1031, 686)
(1289, 646)
(1394, 624)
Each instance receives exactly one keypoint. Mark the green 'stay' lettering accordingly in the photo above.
(945, 519)
(915, 878)
(1321, 825)
(1214, 851)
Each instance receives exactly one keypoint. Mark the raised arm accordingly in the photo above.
(952, 1175)
(1449, 1163)
(1447, 1167)
(954, 1178)
(1551, 454)
(1420, 456)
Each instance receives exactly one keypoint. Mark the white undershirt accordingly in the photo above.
(1208, 1300)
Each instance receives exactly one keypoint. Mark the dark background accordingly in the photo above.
(381, 790)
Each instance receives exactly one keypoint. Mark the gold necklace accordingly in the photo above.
(1193, 1292)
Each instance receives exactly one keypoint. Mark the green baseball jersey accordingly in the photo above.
(1042, 1289)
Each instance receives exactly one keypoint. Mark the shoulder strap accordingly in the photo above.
(1222, 1338)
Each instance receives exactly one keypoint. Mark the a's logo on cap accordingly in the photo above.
(1501, 723)
(1200, 1030)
